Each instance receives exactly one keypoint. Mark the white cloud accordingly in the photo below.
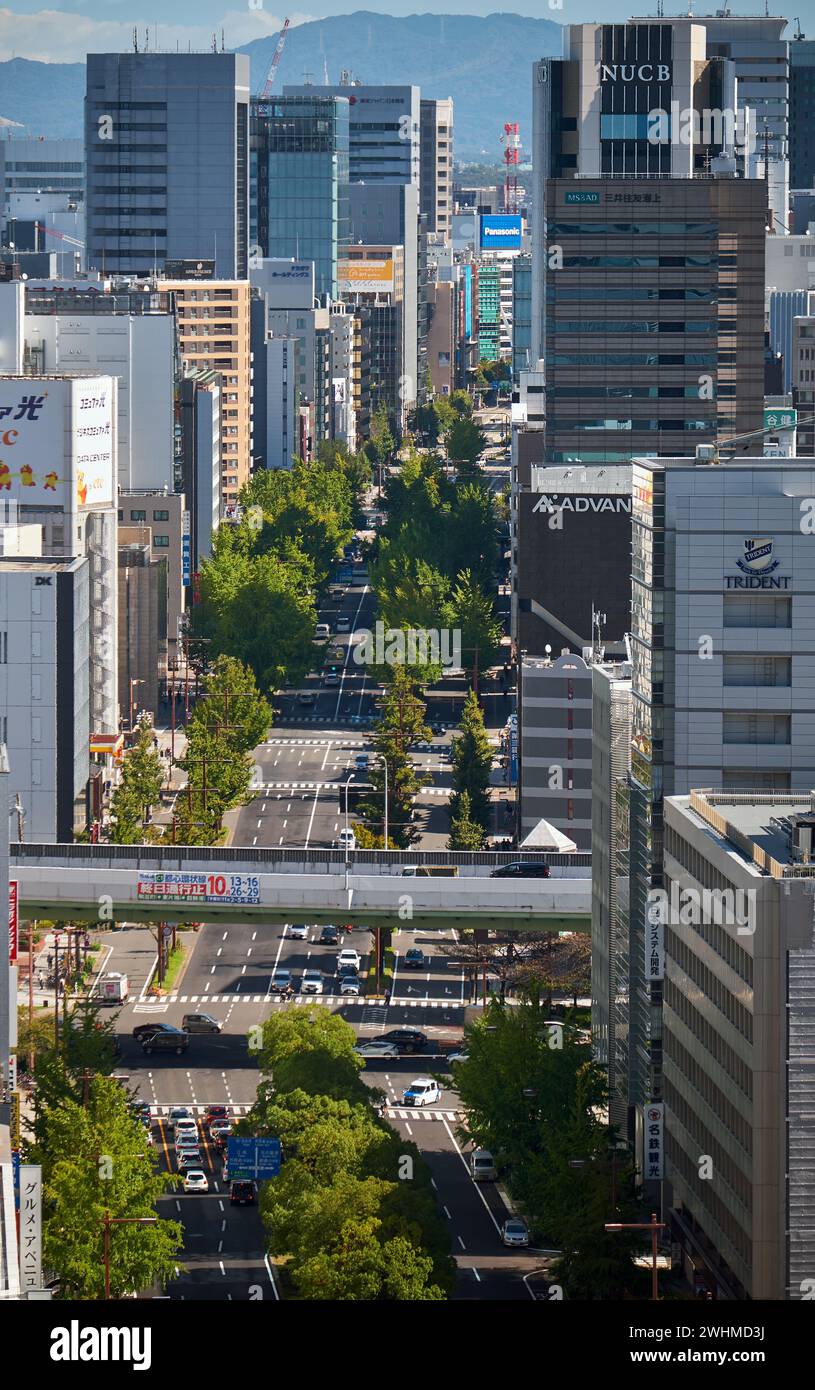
(52, 36)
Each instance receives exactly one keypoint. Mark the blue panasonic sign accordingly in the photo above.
(500, 233)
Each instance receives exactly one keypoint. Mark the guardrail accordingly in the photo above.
(171, 855)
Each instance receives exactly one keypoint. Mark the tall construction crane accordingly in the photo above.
(275, 63)
(60, 236)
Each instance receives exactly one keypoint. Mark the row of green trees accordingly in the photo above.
(352, 1214)
(436, 558)
(533, 1097)
(95, 1160)
(259, 588)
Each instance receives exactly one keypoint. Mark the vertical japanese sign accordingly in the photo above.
(655, 935)
(186, 552)
(653, 1164)
(30, 1226)
(13, 923)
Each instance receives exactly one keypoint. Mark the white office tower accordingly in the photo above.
(58, 442)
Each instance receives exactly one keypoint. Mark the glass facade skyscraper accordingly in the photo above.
(299, 182)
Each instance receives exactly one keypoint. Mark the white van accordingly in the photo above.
(322, 632)
(482, 1166)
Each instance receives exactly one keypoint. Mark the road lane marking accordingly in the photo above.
(461, 1242)
(446, 1211)
(271, 1277)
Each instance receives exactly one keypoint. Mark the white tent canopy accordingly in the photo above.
(546, 836)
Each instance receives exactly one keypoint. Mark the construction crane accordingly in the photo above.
(61, 236)
(275, 63)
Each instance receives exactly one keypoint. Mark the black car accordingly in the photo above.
(329, 936)
(242, 1194)
(149, 1030)
(520, 868)
(166, 1042)
(414, 958)
(406, 1039)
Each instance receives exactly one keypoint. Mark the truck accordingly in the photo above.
(113, 988)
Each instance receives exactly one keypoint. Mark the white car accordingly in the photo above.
(349, 984)
(196, 1181)
(312, 982)
(298, 931)
(373, 1051)
(346, 840)
(423, 1091)
(180, 1112)
(458, 1057)
(349, 956)
(187, 1125)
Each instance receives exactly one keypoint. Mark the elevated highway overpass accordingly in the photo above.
(243, 884)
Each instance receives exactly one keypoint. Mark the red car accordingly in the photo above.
(216, 1112)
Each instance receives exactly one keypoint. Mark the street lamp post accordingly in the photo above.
(347, 860)
(108, 1221)
(384, 762)
(653, 1226)
(134, 680)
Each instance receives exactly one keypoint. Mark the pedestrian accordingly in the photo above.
(387, 997)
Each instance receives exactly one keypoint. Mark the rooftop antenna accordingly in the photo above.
(135, 39)
(798, 33)
(146, 39)
(223, 42)
(326, 82)
(308, 79)
(215, 43)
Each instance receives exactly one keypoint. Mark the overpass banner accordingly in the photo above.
(205, 888)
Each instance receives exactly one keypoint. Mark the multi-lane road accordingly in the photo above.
(229, 976)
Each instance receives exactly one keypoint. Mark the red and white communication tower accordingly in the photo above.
(512, 152)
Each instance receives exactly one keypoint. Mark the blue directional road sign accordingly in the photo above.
(253, 1158)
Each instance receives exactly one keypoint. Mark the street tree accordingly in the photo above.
(143, 775)
(465, 832)
(233, 706)
(472, 755)
(95, 1161)
(466, 443)
(402, 724)
(470, 612)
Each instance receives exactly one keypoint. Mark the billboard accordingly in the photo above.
(500, 232)
(366, 277)
(57, 441)
(189, 270)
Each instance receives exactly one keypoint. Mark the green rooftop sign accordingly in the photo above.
(784, 418)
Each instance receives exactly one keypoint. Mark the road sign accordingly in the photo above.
(253, 1158)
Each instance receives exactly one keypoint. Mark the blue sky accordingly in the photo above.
(32, 29)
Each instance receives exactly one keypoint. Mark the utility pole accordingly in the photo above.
(653, 1226)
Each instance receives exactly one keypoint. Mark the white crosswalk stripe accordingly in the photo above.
(397, 1113)
(312, 742)
(237, 997)
(160, 1111)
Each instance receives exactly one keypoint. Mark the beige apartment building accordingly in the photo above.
(436, 127)
(213, 333)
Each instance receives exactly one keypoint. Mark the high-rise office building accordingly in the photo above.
(802, 113)
(384, 130)
(436, 131)
(647, 98)
(167, 160)
(299, 181)
(738, 1040)
(212, 317)
(654, 317)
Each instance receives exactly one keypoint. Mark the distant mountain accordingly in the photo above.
(483, 64)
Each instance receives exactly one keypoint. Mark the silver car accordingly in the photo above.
(515, 1232)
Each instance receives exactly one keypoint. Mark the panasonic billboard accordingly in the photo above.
(500, 232)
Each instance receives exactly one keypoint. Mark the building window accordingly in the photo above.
(161, 542)
(161, 516)
(138, 516)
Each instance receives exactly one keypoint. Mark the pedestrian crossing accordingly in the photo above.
(160, 1112)
(397, 1113)
(313, 742)
(235, 997)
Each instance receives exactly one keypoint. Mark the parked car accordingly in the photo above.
(329, 936)
(312, 982)
(522, 869)
(196, 1180)
(423, 1091)
(482, 1166)
(515, 1232)
(349, 984)
(404, 1039)
(297, 931)
(201, 1023)
(242, 1193)
(414, 958)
